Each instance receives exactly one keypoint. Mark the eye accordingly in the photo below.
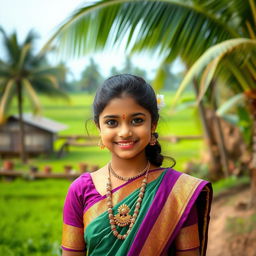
(111, 123)
(137, 121)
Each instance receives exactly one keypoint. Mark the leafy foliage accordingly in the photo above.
(91, 77)
(129, 68)
(172, 28)
(32, 217)
(31, 72)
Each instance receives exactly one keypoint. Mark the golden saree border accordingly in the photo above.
(73, 238)
(101, 206)
(170, 215)
(208, 203)
(188, 238)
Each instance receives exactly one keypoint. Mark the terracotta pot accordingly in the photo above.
(8, 165)
(67, 168)
(94, 168)
(33, 169)
(47, 169)
(83, 167)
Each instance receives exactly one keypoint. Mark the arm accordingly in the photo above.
(187, 242)
(188, 253)
(69, 253)
(73, 243)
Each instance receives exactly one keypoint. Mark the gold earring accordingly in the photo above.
(101, 145)
(153, 139)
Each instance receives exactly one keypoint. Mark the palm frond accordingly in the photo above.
(231, 103)
(42, 71)
(250, 30)
(210, 55)
(207, 77)
(33, 96)
(253, 8)
(5, 99)
(161, 25)
(23, 54)
(33, 71)
(45, 87)
(242, 76)
(52, 79)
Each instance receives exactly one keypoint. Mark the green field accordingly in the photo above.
(31, 219)
(31, 211)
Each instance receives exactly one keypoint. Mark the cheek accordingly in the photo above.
(106, 133)
(146, 133)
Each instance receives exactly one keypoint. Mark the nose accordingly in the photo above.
(124, 131)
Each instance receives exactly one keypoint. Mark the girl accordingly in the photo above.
(133, 206)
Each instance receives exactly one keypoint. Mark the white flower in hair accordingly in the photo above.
(160, 101)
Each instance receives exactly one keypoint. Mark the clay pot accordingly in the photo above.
(8, 165)
(94, 168)
(67, 168)
(83, 167)
(47, 169)
(33, 169)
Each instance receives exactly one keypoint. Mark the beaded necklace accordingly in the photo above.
(128, 178)
(123, 218)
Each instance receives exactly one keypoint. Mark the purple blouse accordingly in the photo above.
(82, 194)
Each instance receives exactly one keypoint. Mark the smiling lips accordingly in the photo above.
(126, 144)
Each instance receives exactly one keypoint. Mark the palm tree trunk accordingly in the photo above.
(220, 138)
(253, 163)
(21, 123)
(221, 146)
(251, 96)
(209, 138)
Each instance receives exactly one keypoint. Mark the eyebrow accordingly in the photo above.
(116, 116)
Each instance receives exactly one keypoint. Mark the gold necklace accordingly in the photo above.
(128, 178)
(123, 218)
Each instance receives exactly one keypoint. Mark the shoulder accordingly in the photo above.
(184, 178)
(81, 186)
(82, 181)
(98, 173)
(185, 186)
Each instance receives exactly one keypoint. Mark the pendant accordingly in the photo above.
(123, 218)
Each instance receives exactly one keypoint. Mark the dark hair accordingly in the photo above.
(136, 87)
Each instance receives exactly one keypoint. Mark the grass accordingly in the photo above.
(241, 225)
(31, 217)
(229, 182)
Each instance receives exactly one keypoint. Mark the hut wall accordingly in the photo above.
(36, 140)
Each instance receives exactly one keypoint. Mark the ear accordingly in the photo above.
(153, 127)
(98, 126)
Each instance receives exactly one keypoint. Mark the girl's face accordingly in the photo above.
(125, 128)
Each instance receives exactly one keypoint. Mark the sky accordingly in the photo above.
(45, 15)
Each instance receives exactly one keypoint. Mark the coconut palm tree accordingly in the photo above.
(233, 63)
(171, 28)
(24, 74)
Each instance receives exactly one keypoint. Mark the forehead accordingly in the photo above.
(125, 105)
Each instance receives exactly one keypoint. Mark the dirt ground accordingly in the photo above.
(226, 240)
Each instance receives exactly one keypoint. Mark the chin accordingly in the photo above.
(129, 155)
(126, 156)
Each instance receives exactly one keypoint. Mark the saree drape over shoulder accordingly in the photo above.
(174, 216)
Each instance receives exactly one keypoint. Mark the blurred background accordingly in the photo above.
(199, 56)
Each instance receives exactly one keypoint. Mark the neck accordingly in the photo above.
(128, 167)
